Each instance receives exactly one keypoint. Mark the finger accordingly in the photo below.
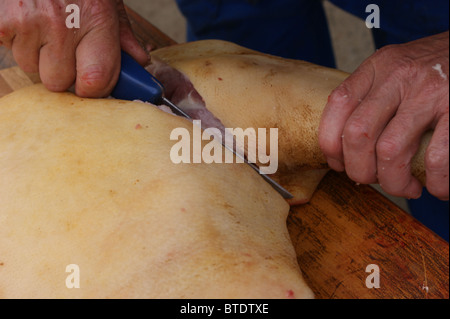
(341, 104)
(57, 66)
(436, 160)
(98, 61)
(26, 43)
(397, 146)
(128, 41)
(364, 127)
(25, 49)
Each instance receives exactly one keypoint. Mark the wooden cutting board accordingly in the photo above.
(14, 78)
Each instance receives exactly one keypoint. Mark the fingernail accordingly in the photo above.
(416, 195)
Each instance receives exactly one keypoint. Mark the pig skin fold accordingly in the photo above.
(247, 89)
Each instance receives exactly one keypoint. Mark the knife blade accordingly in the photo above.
(135, 83)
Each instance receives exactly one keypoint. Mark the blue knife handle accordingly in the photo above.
(135, 83)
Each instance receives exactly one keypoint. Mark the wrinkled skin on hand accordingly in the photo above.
(373, 122)
(36, 32)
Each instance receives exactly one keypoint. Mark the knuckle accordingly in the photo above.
(404, 67)
(387, 52)
(55, 26)
(437, 159)
(387, 149)
(340, 95)
(434, 86)
(21, 24)
(99, 12)
(53, 16)
(356, 133)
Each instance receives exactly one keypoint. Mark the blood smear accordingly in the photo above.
(290, 294)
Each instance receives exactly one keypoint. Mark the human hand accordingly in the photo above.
(41, 42)
(373, 122)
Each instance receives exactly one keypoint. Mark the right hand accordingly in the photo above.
(36, 32)
(374, 121)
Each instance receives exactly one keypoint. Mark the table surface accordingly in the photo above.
(346, 229)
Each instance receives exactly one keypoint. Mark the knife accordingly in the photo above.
(136, 83)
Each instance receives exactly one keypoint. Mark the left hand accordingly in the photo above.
(88, 57)
(373, 122)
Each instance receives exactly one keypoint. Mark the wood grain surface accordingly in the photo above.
(344, 229)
